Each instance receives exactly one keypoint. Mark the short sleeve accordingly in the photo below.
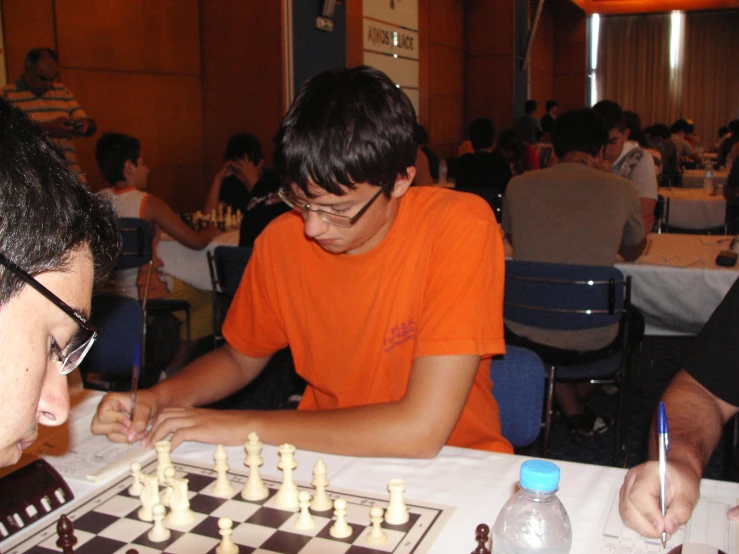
(634, 229)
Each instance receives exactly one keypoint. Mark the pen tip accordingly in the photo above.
(664, 539)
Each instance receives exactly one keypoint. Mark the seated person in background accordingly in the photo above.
(234, 184)
(510, 145)
(485, 168)
(699, 401)
(685, 150)
(658, 137)
(731, 188)
(723, 134)
(338, 280)
(121, 162)
(63, 237)
(573, 213)
(264, 206)
(547, 120)
(636, 133)
(627, 159)
(422, 139)
(528, 125)
(727, 152)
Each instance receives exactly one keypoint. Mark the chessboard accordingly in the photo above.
(107, 523)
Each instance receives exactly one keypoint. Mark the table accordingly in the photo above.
(693, 208)
(693, 178)
(676, 282)
(477, 483)
(188, 265)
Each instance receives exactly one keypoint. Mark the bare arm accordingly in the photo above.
(647, 212)
(632, 252)
(158, 211)
(211, 203)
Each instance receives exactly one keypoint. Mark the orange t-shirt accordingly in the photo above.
(355, 323)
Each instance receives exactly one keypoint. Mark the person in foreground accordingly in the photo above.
(56, 239)
(389, 296)
(699, 401)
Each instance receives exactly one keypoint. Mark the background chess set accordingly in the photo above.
(224, 219)
(107, 523)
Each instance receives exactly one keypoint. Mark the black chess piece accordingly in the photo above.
(482, 535)
(65, 530)
(132, 551)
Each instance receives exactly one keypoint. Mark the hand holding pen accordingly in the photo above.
(663, 445)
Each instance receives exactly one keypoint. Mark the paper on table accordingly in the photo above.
(671, 261)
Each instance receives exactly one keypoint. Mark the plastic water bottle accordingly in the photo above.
(533, 519)
(443, 172)
(708, 180)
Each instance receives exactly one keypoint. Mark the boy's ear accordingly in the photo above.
(403, 182)
(127, 168)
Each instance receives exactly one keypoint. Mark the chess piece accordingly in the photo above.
(136, 487)
(305, 520)
(164, 460)
(222, 487)
(226, 546)
(287, 495)
(340, 529)
(321, 502)
(180, 513)
(65, 531)
(376, 536)
(482, 535)
(396, 512)
(132, 551)
(166, 496)
(149, 496)
(158, 533)
(254, 489)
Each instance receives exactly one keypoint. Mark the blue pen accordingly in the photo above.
(135, 378)
(663, 444)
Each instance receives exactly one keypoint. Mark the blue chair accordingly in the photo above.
(518, 387)
(227, 265)
(573, 297)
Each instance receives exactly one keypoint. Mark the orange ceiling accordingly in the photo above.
(643, 6)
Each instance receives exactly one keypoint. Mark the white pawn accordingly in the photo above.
(225, 528)
(164, 460)
(149, 496)
(376, 534)
(305, 520)
(136, 487)
(166, 495)
(287, 495)
(254, 489)
(222, 487)
(340, 529)
(158, 533)
(321, 502)
(396, 512)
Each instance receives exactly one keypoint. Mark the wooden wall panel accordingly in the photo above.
(447, 126)
(570, 60)
(446, 22)
(130, 35)
(26, 24)
(541, 66)
(646, 6)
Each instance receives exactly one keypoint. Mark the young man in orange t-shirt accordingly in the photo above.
(389, 297)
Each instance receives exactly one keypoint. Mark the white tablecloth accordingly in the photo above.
(693, 208)
(191, 266)
(676, 282)
(693, 178)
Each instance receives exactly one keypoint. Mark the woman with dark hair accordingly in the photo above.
(512, 147)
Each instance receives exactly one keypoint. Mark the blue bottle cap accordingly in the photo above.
(539, 476)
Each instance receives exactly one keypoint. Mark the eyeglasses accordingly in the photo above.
(334, 219)
(78, 347)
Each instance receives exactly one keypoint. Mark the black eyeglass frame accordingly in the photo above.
(63, 306)
(336, 219)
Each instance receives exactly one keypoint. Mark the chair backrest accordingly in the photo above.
(731, 223)
(564, 296)
(518, 387)
(229, 263)
(136, 243)
(659, 213)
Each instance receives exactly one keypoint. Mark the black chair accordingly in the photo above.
(659, 214)
(492, 196)
(227, 265)
(574, 297)
(731, 224)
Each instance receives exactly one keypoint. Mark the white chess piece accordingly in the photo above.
(305, 520)
(396, 512)
(149, 496)
(180, 513)
(376, 534)
(222, 487)
(340, 529)
(226, 546)
(166, 495)
(164, 460)
(158, 533)
(321, 502)
(136, 487)
(287, 495)
(254, 489)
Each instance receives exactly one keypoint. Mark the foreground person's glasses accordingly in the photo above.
(81, 342)
(334, 219)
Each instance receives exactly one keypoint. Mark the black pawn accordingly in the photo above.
(132, 551)
(482, 535)
(65, 530)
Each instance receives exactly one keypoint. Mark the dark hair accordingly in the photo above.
(723, 131)
(633, 124)
(244, 144)
(690, 129)
(530, 107)
(45, 212)
(659, 130)
(482, 133)
(35, 54)
(680, 125)
(551, 104)
(422, 135)
(112, 151)
(347, 126)
(580, 130)
(510, 140)
(734, 126)
(612, 114)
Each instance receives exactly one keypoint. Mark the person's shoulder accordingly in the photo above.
(439, 204)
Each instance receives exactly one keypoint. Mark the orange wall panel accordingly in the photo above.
(26, 24)
(447, 71)
(130, 35)
(645, 6)
(541, 65)
(446, 22)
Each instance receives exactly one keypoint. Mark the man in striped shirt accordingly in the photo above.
(49, 103)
